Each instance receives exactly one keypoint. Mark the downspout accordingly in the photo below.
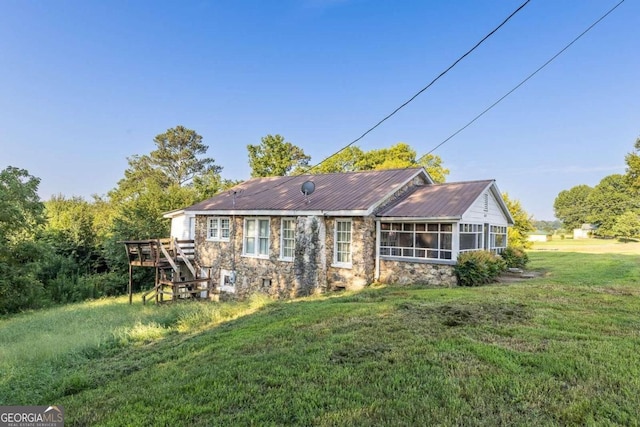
(376, 275)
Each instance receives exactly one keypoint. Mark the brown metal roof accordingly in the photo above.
(333, 192)
(438, 200)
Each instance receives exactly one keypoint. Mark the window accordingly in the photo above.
(416, 240)
(497, 238)
(287, 238)
(342, 249)
(471, 237)
(256, 237)
(218, 229)
(228, 281)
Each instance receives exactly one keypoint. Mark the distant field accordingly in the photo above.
(594, 246)
(557, 350)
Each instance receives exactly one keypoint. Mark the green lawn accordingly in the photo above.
(562, 349)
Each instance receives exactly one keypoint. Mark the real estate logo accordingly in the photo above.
(31, 416)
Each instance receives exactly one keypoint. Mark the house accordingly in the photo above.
(298, 235)
(584, 232)
(539, 236)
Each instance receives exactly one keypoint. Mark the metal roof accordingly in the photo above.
(449, 200)
(354, 191)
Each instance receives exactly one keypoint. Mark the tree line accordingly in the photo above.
(69, 249)
(612, 206)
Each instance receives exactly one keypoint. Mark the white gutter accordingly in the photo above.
(376, 275)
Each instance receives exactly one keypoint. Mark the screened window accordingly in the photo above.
(218, 229)
(287, 238)
(342, 250)
(256, 237)
(416, 240)
(471, 237)
(497, 238)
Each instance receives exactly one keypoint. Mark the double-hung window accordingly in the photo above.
(342, 247)
(218, 229)
(256, 237)
(287, 238)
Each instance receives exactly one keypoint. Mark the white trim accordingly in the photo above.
(281, 256)
(493, 188)
(388, 196)
(257, 213)
(376, 274)
(336, 263)
(219, 228)
(256, 236)
(418, 219)
(231, 286)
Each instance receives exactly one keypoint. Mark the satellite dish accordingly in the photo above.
(307, 188)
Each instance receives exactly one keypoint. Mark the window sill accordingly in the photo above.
(216, 240)
(255, 256)
(341, 265)
(418, 260)
(285, 259)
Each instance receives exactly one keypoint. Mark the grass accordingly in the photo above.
(561, 349)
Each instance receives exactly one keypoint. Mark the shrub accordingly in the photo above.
(515, 257)
(478, 268)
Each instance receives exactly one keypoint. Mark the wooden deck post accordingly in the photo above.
(130, 284)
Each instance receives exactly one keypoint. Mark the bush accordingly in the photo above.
(515, 257)
(478, 268)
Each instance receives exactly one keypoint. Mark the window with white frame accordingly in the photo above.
(497, 238)
(218, 229)
(416, 240)
(287, 238)
(256, 237)
(342, 247)
(471, 237)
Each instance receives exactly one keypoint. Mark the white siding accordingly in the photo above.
(477, 214)
(182, 227)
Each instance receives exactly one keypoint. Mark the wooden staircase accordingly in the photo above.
(178, 275)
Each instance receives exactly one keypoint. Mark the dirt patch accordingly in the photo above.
(470, 314)
(507, 278)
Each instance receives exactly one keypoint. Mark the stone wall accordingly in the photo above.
(363, 244)
(405, 273)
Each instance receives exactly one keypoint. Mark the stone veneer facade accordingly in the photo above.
(313, 269)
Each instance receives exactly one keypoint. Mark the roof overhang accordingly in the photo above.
(174, 213)
(225, 212)
(418, 219)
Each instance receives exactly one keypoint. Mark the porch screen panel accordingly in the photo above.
(416, 240)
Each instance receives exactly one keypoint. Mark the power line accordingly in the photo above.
(486, 110)
(492, 32)
(427, 86)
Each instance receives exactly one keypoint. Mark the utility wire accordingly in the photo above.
(310, 168)
(427, 86)
(486, 110)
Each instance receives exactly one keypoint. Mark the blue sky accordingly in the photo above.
(85, 84)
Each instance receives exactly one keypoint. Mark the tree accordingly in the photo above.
(572, 207)
(346, 160)
(21, 218)
(398, 156)
(523, 224)
(21, 210)
(433, 165)
(627, 225)
(633, 166)
(609, 199)
(176, 161)
(275, 157)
